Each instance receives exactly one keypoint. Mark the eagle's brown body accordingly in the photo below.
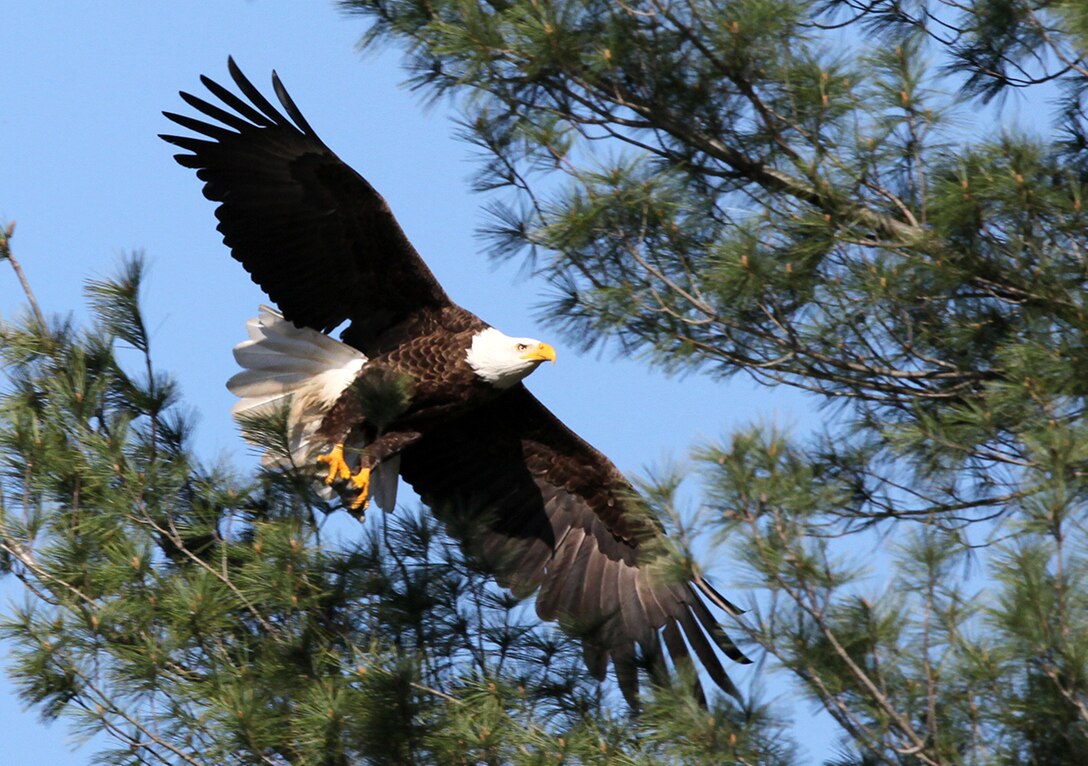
(543, 509)
(434, 362)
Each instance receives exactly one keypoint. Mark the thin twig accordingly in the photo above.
(6, 255)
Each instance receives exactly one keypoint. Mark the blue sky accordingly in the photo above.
(87, 180)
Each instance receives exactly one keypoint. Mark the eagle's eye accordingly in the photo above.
(522, 346)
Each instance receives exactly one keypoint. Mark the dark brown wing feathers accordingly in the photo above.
(312, 232)
(508, 480)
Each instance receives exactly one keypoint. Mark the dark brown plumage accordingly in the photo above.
(542, 509)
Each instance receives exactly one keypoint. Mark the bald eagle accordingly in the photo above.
(421, 388)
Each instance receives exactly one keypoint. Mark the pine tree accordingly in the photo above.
(824, 195)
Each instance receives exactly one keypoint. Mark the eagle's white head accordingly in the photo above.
(503, 361)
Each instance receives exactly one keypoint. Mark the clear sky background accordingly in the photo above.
(87, 180)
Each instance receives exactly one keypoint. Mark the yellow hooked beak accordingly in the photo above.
(542, 353)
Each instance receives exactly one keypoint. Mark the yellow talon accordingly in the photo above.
(338, 469)
(361, 482)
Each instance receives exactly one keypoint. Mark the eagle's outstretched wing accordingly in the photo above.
(547, 512)
(313, 233)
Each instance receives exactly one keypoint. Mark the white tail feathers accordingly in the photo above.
(284, 365)
(307, 371)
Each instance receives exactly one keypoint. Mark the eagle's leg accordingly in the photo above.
(378, 450)
(361, 482)
(340, 470)
(338, 467)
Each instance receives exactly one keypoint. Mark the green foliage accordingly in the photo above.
(383, 395)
